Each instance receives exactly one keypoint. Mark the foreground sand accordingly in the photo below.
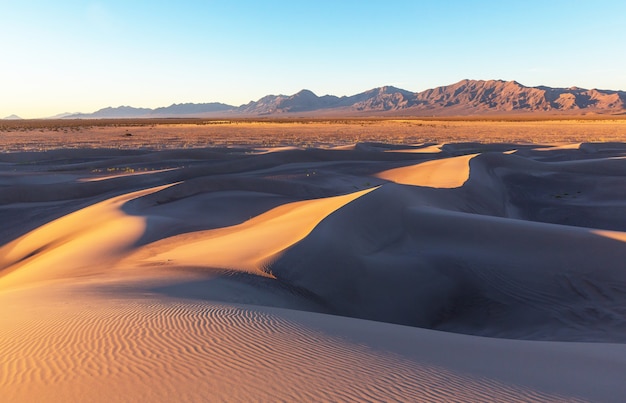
(374, 272)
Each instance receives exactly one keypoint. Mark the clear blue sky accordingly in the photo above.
(69, 56)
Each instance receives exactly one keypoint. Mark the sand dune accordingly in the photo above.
(426, 148)
(106, 177)
(445, 173)
(72, 245)
(567, 146)
(363, 273)
(250, 245)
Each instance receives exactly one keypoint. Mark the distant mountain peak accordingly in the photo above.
(174, 110)
(387, 89)
(466, 97)
(13, 117)
(305, 92)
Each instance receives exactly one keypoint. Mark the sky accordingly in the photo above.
(80, 56)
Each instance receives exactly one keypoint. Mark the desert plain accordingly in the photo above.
(313, 260)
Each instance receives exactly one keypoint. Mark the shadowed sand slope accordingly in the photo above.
(366, 273)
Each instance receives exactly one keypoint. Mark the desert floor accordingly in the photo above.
(357, 260)
(41, 135)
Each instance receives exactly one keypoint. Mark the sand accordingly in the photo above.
(363, 272)
(418, 134)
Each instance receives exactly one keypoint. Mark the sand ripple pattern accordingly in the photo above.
(149, 350)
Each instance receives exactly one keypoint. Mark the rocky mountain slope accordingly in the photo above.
(467, 97)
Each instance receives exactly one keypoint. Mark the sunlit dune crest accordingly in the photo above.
(426, 149)
(617, 235)
(74, 244)
(343, 147)
(566, 146)
(277, 149)
(247, 246)
(444, 173)
(122, 175)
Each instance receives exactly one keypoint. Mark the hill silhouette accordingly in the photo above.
(467, 97)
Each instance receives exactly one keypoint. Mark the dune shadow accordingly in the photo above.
(243, 288)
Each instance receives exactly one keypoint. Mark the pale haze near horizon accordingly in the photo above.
(80, 56)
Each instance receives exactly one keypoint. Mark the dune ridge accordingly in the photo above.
(248, 246)
(71, 244)
(445, 173)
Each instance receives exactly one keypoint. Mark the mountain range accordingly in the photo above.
(467, 97)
